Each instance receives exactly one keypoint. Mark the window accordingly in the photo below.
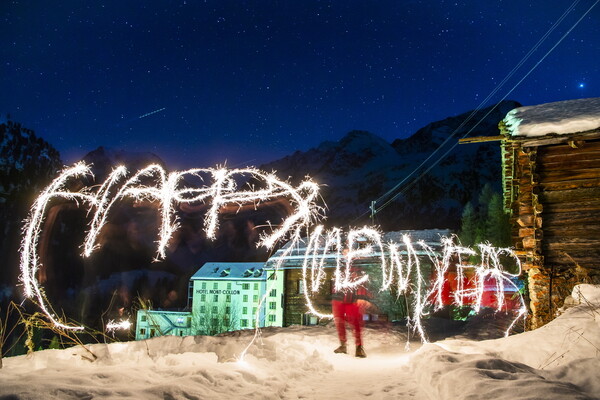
(216, 298)
(202, 309)
(245, 298)
(245, 286)
(227, 310)
(272, 318)
(202, 297)
(203, 285)
(244, 323)
(256, 286)
(228, 285)
(244, 310)
(253, 310)
(214, 309)
(152, 332)
(180, 320)
(273, 293)
(144, 318)
(300, 286)
(272, 305)
(215, 285)
(228, 298)
(142, 331)
(255, 298)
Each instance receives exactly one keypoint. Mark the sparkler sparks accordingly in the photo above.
(112, 326)
(399, 263)
(168, 190)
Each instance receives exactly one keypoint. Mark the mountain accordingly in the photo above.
(361, 167)
(103, 160)
(27, 165)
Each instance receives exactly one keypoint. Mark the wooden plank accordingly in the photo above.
(572, 231)
(570, 164)
(481, 139)
(583, 217)
(569, 175)
(588, 146)
(570, 185)
(564, 244)
(557, 196)
(552, 139)
(570, 207)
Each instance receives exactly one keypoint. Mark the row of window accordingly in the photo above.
(215, 309)
(215, 286)
(244, 297)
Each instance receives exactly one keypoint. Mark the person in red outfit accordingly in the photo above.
(349, 305)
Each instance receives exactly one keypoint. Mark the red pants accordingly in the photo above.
(347, 311)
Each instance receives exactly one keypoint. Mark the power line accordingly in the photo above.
(373, 210)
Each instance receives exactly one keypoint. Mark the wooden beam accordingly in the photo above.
(481, 139)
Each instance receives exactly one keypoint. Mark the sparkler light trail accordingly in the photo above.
(399, 263)
(168, 190)
(112, 326)
(401, 267)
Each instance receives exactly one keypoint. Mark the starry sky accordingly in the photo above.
(246, 82)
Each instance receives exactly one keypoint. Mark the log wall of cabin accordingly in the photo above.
(569, 176)
(556, 220)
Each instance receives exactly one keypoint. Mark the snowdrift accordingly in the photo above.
(558, 361)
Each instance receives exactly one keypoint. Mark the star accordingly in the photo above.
(581, 85)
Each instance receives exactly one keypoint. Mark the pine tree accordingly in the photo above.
(468, 225)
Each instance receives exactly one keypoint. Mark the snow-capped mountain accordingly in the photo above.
(361, 167)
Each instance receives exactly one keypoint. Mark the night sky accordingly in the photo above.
(204, 82)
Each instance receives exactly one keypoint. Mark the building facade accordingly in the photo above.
(222, 297)
(151, 323)
(232, 296)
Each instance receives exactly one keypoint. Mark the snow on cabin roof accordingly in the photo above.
(561, 117)
(231, 271)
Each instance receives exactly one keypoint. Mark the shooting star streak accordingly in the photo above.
(152, 112)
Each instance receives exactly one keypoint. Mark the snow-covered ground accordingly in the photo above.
(559, 361)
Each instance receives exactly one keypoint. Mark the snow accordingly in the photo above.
(558, 361)
(562, 117)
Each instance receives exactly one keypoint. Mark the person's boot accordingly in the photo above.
(360, 352)
(341, 349)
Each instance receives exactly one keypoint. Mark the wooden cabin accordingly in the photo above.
(551, 186)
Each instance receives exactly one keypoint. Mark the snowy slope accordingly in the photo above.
(298, 362)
